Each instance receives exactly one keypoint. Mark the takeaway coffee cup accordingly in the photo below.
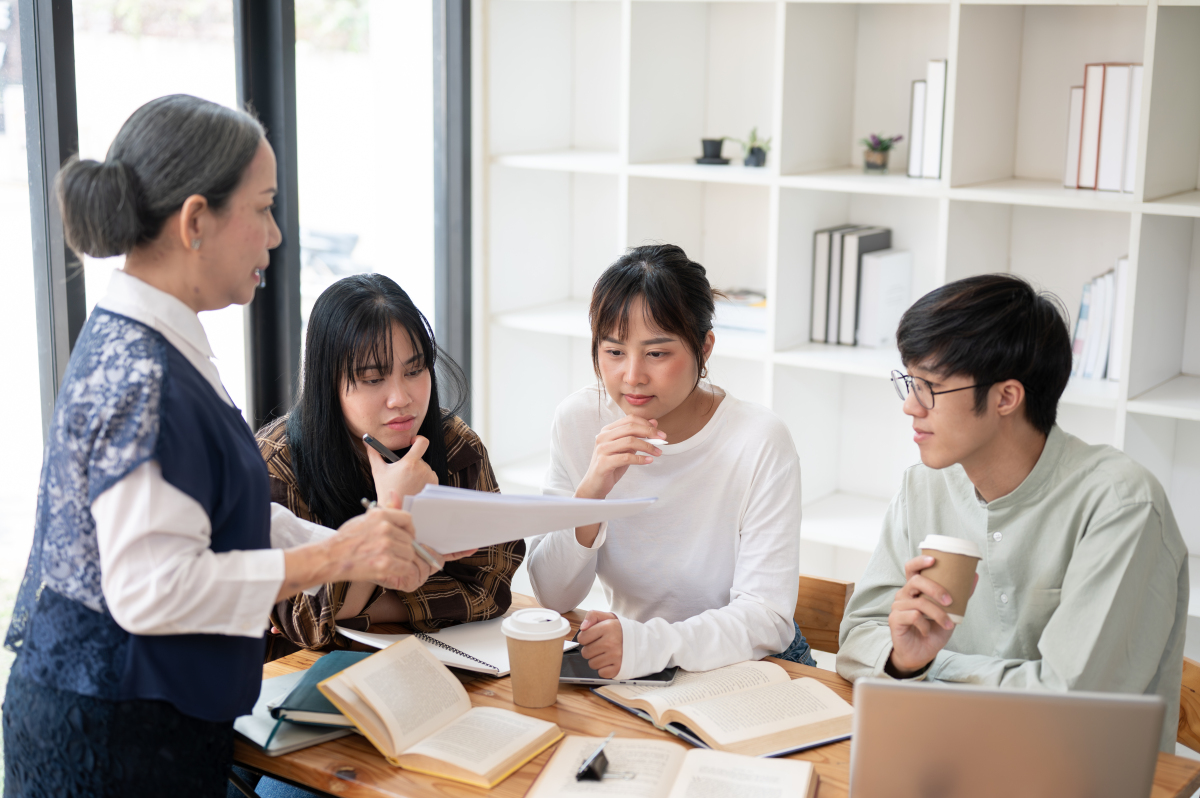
(954, 565)
(535, 652)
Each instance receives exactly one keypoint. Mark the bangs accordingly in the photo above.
(611, 310)
(368, 346)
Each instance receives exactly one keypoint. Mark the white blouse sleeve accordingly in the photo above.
(158, 573)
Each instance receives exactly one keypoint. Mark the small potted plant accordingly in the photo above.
(754, 149)
(875, 157)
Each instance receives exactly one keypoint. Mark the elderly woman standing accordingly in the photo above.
(157, 554)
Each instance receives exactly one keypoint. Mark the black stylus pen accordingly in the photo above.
(384, 452)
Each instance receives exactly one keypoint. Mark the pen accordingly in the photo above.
(421, 551)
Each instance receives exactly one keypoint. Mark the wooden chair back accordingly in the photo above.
(820, 605)
(1189, 706)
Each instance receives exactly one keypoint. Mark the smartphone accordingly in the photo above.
(384, 452)
(575, 670)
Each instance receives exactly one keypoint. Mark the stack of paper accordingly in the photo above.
(457, 519)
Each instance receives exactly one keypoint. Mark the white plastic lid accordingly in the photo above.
(951, 545)
(536, 623)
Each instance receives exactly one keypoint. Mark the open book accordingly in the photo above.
(416, 712)
(663, 769)
(753, 708)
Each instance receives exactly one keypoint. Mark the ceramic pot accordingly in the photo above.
(756, 157)
(712, 147)
(875, 162)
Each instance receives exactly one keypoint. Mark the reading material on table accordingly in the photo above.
(276, 737)
(663, 769)
(305, 703)
(456, 519)
(416, 712)
(753, 708)
(478, 646)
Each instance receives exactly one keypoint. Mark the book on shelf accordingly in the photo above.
(1098, 346)
(855, 244)
(1135, 126)
(277, 737)
(752, 708)
(305, 703)
(1116, 345)
(741, 309)
(822, 253)
(478, 646)
(1114, 125)
(416, 712)
(1082, 322)
(834, 306)
(1089, 130)
(662, 769)
(885, 292)
(1074, 131)
(935, 111)
(916, 128)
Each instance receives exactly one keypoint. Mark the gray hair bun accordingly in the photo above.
(168, 150)
(99, 207)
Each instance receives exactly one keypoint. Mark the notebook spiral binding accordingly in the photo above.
(448, 647)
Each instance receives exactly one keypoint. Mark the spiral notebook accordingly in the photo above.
(479, 646)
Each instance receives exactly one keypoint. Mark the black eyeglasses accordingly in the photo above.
(922, 388)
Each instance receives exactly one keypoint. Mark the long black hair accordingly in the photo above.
(349, 331)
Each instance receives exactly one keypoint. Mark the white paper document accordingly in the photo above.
(456, 519)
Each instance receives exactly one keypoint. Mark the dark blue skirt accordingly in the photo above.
(59, 743)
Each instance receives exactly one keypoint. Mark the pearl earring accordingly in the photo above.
(195, 243)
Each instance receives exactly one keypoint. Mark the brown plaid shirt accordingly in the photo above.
(474, 588)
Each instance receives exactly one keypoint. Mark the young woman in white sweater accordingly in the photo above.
(707, 576)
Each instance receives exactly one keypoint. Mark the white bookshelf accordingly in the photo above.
(592, 114)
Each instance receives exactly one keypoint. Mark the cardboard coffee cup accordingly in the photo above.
(954, 566)
(535, 651)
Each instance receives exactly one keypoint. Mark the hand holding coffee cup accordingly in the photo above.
(932, 601)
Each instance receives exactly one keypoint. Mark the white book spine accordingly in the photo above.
(1079, 344)
(1074, 127)
(1114, 125)
(820, 285)
(935, 106)
(835, 286)
(1089, 137)
(916, 129)
(1116, 346)
(886, 292)
(1106, 326)
(1095, 312)
(1135, 127)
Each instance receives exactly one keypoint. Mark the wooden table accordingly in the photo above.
(351, 766)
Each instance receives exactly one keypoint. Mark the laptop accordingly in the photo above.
(915, 740)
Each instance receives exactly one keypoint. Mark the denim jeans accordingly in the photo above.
(798, 651)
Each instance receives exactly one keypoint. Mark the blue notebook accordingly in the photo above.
(306, 704)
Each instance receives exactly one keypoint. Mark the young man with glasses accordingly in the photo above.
(1083, 583)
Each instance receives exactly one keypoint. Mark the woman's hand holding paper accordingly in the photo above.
(602, 642)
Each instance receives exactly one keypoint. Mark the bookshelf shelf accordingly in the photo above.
(1045, 194)
(1177, 398)
(592, 114)
(844, 520)
(842, 359)
(1092, 393)
(853, 181)
(682, 170)
(559, 318)
(588, 161)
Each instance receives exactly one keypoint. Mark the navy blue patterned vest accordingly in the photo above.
(129, 396)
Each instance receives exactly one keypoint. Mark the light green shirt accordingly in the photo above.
(1083, 583)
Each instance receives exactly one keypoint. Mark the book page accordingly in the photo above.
(715, 774)
(691, 687)
(654, 761)
(413, 694)
(766, 710)
(352, 706)
(481, 739)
